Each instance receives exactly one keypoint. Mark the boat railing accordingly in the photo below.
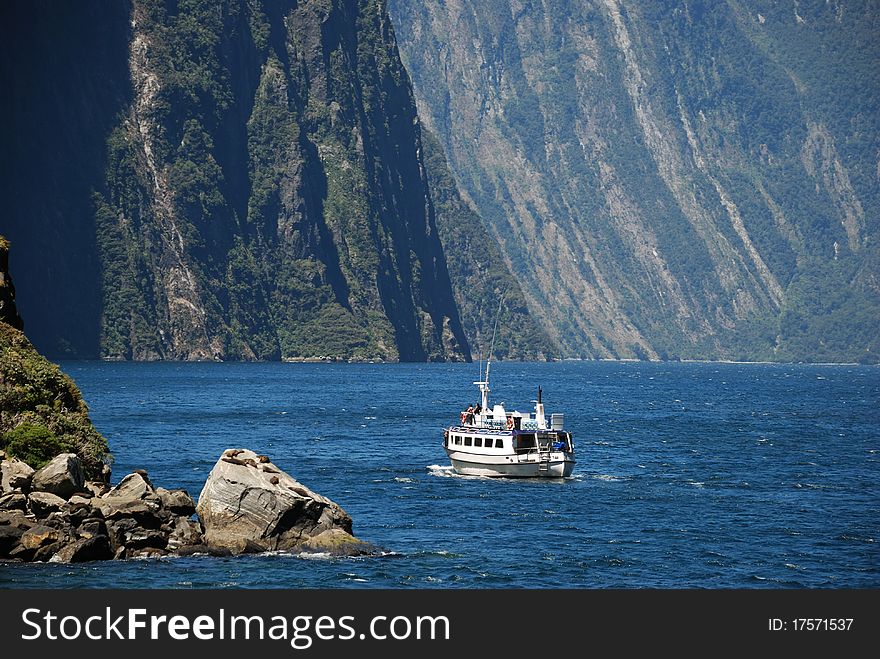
(501, 424)
(483, 429)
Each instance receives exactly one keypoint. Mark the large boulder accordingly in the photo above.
(13, 501)
(62, 476)
(13, 524)
(40, 536)
(134, 496)
(248, 504)
(43, 503)
(15, 475)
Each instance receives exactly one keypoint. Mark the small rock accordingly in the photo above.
(134, 496)
(116, 530)
(15, 475)
(133, 486)
(178, 501)
(40, 536)
(186, 533)
(96, 488)
(62, 476)
(15, 519)
(20, 553)
(46, 553)
(74, 514)
(79, 500)
(338, 543)
(144, 475)
(140, 538)
(84, 549)
(43, 503)
(91, 527)
(13, 501)
(10, 537)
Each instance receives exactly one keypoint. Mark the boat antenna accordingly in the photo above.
(484, 382)
(480, 341)
(494, 330)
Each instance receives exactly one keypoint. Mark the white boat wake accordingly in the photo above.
(447, 471)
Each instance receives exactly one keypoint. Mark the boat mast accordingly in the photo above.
(484, 390)
(484, 383)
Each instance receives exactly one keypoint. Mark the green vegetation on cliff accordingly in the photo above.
(264, 196)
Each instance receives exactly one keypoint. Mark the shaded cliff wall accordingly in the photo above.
(64, 76)
(232, 180)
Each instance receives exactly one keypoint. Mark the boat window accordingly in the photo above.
(467, 441)
(524, 443)
(456, 440)
(478, 441)
(499, 443)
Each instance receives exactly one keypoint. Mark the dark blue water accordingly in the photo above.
(688, 475)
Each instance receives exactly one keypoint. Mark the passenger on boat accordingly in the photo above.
(469, 415)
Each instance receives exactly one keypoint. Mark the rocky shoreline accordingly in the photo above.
(247, 505)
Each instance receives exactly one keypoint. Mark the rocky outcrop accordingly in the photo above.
(489, 298)
(42, 413)
(249, 505)
(132, 519)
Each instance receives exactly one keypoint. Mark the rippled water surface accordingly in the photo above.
(688, 475)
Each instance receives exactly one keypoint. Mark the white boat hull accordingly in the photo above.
(559, 465)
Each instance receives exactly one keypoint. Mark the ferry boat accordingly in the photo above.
(494, 442)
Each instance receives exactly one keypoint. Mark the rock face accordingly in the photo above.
(479, 275)
(248, 504)
(695, 182)
(62, 476)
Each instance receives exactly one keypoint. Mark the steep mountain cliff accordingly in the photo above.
(266, 181)
(489, 298)
(260, 189)
(697, 180)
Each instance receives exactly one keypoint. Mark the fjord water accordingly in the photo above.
(688, 474)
